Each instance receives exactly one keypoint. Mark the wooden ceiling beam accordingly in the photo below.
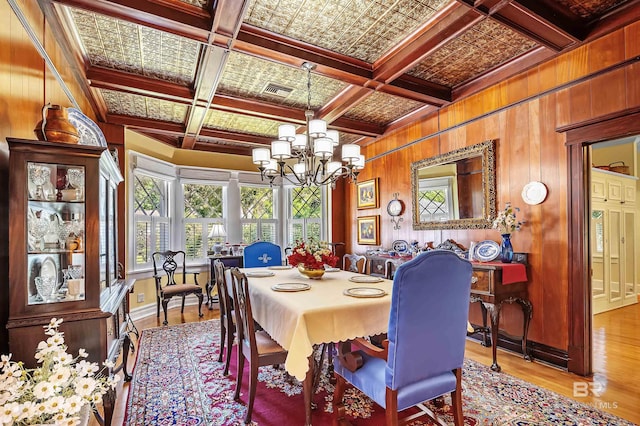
(539, 20)
(162, 127)
(104, 78)
(345, 100)
(257, 108)
(449, 23)
(276, 48)
(358, 127)
(419, 90)
(183, 19)
(235, 137)
(223, 149)
(228, 18)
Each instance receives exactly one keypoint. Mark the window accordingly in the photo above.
(305, 216)
(434, 200)
(203, 206)
(258, 217)
(152, 225)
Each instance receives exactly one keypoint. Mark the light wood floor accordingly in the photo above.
(616, 360)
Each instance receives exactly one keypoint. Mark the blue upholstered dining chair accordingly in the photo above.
(424, 351)
(262, 253)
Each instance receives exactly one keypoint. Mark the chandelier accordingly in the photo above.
(306, 159)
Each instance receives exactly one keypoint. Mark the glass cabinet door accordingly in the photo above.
(56, 232)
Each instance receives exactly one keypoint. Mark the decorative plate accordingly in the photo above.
(291, 287)
(90, 133)
(486, 251)
(259, 274)
(364, 292)
(400, 246)
(329, 269)
(365, 279)
(534, 193)
(279, 268)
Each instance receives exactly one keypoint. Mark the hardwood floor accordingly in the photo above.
(612, 388)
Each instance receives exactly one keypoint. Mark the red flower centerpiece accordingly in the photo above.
(311, 257)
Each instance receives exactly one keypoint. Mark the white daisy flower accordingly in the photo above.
(43, 390)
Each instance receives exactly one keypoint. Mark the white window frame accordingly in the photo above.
(277, 218)
(323, 220)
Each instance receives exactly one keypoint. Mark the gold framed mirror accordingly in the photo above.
(456, 190)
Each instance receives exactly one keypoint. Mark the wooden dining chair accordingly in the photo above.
(423, 355)
(227, 320)
(172, 262)
(256, 346)
(354, 263)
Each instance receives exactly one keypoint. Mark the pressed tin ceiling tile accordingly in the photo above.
(143, 107)
(382, 108)
(589, 9)
(124, 46)
(222, 120)
(364, 29)
(246, 76)
(482, 47)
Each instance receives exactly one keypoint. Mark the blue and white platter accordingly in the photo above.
(486, 251)
(90, 133)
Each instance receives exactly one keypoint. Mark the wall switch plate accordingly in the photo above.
(140, 297)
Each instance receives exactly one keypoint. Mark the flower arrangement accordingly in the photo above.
(56, 391)
(506, 222)
(312, 255)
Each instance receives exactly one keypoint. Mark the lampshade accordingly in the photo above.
(317, 128)
(287, 132)
(217, 231)
(350, 152)
(280, 150)
(334, 136)
(300, 143)
(261, 156)
(323, 148)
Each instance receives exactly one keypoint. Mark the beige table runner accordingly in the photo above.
(322, 314)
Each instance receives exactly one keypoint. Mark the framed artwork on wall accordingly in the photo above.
(368, 194)
(369, 230)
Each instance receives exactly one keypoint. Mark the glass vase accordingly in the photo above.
(506, 249)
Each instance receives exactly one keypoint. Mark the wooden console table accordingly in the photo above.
(496, 283)
(229, 261)
(493, 284)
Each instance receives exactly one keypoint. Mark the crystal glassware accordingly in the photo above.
(39, 175)
(76, 180)
(64, 230)
(46, 287)
(38, 226)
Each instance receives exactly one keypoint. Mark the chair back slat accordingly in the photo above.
(224, 299)
(428, 318)
(354, 263)
(170, 261)
(245, 327)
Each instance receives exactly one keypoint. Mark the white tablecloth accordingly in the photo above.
(322, 314)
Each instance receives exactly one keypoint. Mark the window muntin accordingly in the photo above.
(203, 206)
(305, 217)
(258, 214)
(151, 217)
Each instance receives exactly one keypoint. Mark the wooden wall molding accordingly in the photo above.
(579, 205)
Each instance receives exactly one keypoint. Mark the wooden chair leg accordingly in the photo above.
(182, 309)
(391, 410)
(236, 395)
(253, 385)
(339, 410)
(223, 337)
(227, 361)
(456, 400)
(158, 306)
(165, 302)
(200, 300)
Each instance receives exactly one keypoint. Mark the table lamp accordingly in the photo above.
(217, 232)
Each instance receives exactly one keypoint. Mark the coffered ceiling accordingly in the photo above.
(222, 75)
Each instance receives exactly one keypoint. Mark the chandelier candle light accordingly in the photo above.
(312, 152)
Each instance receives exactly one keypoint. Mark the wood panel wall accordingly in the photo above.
(25, 86)
(589, 83)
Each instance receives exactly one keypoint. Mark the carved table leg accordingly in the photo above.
(126, 344)
(307, 387)
(527, 312)
(494, 312)
(485, 336)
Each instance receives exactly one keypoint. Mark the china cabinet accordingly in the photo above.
(63, 252)
(614, 240)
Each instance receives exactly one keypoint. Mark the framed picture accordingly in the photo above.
(368, 194)
(369, 230)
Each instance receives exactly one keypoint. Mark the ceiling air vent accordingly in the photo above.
(277, 90)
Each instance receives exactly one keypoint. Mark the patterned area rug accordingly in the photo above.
(178, 381)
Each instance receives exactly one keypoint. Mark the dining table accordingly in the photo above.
(301, 313)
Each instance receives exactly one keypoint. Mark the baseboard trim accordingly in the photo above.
(538, 351)
(150, 309)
